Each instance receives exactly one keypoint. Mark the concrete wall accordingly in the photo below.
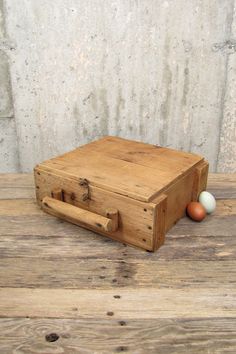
(8, 142)
(153, 70)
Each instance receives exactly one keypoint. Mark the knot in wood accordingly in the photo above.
(52, 337)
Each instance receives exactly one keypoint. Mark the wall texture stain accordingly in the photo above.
(6, 107)
(167, 85)
(227, 139)
(158, 71)
(8, 139)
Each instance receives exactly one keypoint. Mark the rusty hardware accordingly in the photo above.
(85, 183)
(85, 197)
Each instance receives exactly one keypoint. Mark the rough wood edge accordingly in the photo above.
(159, 222)
(200, 181)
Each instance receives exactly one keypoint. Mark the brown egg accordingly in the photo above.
(196, 211)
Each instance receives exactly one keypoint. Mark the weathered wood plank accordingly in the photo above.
(155, 336)
(17, 207)
(144, 303)
(91, 246)
(211, 226)
(46, 225)
(225, 207)
(222, 185)
(13, 186)
(14, 193)
(74, 273)
(16, 180)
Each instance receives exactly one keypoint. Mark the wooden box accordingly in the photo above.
(130, 191)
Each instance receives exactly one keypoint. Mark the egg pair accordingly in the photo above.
(206, 205)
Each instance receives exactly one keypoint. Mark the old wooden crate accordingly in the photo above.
(130, 191)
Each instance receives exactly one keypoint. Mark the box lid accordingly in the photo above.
(130, 168)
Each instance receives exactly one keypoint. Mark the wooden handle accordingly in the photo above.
(80, 216)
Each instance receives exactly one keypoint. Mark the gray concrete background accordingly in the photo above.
(9, 160)
(163, 72)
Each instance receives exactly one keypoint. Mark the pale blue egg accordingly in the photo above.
(208, 201)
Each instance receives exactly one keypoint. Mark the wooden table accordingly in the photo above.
(95, 295)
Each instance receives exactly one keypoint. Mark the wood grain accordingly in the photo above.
(76, 273)
(13, 186)
(147, 155)
(222, 185)
(143, 304)
(155, 336)
(90, 245)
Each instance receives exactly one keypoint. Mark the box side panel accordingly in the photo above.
(178, 196)
(160, 221)
(171, 205)
(136, 219)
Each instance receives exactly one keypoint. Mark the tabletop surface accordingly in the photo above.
(91, 294)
